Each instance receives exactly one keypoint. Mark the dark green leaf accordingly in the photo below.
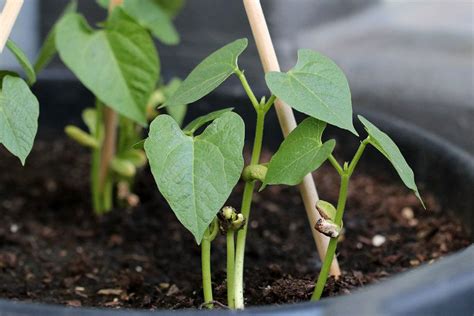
(389, 149)
(209, 74)
(19, 111)
(196, 174)
(202, 120)
(150, 15)
(48, 50)
(315, 86)
(118, 64)
(178, 112)
(4, 73)
(300, 153)
(23, 61)
(103, 3)
(171, 7)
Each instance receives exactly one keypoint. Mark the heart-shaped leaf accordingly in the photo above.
(300, 153)
(209, 74)
(23, 61)
(149, 14)
(178, 112)
(390, 150)
(317, 87)
(118, 64)
(19, 111)
(48, 50)
(196, 174)
(194, 125)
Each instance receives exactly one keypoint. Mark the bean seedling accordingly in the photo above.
(119, 64)
(197, 173)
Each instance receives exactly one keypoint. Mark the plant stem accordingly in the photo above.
(206, 269)
(247, 88)
(97, 203)
(246, 204)
(357, 155)
(330, 252)
(335, 164)
(346, 174)
(230, 268)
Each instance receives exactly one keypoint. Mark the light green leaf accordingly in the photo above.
(209, 74)
(317, 87)
(150, 15)
(118, 64)
(196, 174)
(19, 111)
(202, 120)
(300, 153)
(48, 50)
(389, 149)
(178, 112)
(23, 61)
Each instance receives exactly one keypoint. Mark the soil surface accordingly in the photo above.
(52, 249)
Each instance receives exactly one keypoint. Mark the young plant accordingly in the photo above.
(197, 173)
(317, 87)
(19, 108)
(119, 64)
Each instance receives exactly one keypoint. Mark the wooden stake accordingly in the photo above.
(110, 136)
(7, 19)
(287, 121)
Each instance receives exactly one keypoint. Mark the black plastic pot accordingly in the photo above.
(443, 288)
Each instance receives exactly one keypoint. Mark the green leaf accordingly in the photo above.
(118, 64)
(389, 149)
(178, 112)
(103, 3)
(48, 50)
(171, 7)
(209, 74)
(317, 87)
(4, 73)
(196, 174)
(136, 157)
(150, 15)
(326, 210)
(139, 145)
(193, 126)
(300, 153)
(19, 111)
(23, 61)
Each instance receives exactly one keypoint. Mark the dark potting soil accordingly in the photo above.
(53, 250)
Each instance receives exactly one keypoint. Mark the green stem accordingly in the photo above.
(335, 164)
(357, 155)
(269, 103)
(246, 204)
(346, 174)
(230, 269)
(95, 164)
(330, 252)
(247, 89)
(206, 269)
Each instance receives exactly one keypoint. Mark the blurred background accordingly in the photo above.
(412, 60)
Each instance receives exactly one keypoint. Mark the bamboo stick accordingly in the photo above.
(7, 19)
(110, 136)
(287, 121)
